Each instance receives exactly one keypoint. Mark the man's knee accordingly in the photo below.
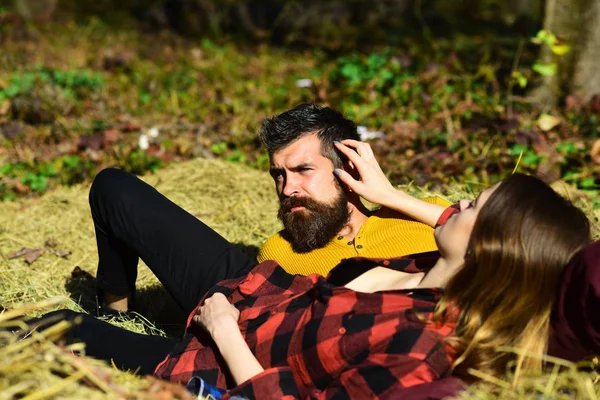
(108, 184)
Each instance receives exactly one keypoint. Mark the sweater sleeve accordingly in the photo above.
(575, 320)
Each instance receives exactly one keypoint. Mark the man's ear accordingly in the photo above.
(351, 169)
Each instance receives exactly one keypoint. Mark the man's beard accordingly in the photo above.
(313, 227)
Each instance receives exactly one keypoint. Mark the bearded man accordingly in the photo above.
(323, 221)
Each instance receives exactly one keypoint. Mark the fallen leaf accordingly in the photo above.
(30, 254)
(93, 141)
(595, 152)
(4, 107)
(548, 171)
(547, 122)
(61, 253)
(595, 104)
(130, 127)
(112, 135)
(33, 255)
(50, 242)
(21, 252)
(21, 188)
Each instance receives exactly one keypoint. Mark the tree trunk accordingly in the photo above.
(576, 23)
(586, 78)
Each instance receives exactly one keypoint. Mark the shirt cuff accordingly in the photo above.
(271, 384)
(448, 212)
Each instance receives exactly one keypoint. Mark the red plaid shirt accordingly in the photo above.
(317, 339)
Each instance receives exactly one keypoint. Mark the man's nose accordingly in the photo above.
(291, 186)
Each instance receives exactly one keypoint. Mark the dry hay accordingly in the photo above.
(36, 366)
(237, 202)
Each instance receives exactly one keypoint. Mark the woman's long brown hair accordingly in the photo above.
(523, 237)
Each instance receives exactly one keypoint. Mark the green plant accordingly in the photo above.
(527, 156)
(37, 183)
(73, 169)
(73, 82)
(549, 39)
(138, 162)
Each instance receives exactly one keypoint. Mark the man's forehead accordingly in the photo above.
(307, 149)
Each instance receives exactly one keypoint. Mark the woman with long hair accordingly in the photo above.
(377, 328)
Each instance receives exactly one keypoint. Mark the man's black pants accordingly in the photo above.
(133, 220)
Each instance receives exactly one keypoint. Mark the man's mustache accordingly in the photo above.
(290, 202)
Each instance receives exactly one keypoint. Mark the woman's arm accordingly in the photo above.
(219, 318)
(374, 186)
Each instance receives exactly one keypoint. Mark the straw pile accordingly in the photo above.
(237, 202)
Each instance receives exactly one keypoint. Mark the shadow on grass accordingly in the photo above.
(154, 302)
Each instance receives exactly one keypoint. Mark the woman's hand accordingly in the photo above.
(220, 319)
(373, 185)
(217, 315)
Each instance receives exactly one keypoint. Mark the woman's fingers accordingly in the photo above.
(347, 179)
(347, 151)
(362, 148)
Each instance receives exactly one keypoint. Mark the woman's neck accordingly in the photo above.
(440, 273)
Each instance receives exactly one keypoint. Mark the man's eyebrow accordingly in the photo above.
(301, 166)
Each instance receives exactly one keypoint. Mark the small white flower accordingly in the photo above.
(144, 143)
(303, 83)
(366, 134)
(153, 132)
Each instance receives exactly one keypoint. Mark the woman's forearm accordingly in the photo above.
(236, 353)
(422, 211)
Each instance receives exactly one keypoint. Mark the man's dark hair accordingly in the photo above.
(306, 119)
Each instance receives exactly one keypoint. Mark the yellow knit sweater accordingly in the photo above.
(378, 237)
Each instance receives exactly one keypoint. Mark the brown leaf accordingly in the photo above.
(4, 107)
(93, 141)
(33, 255)
(111, 135)
(21, 188)
(595, 104)
(573, 103)
(21, 252)
(50, 242)
(595, 152)
(131, 127)
(61, 253)
(548, 171)
(30, 254)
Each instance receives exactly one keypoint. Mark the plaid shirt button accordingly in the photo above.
(342, 330)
